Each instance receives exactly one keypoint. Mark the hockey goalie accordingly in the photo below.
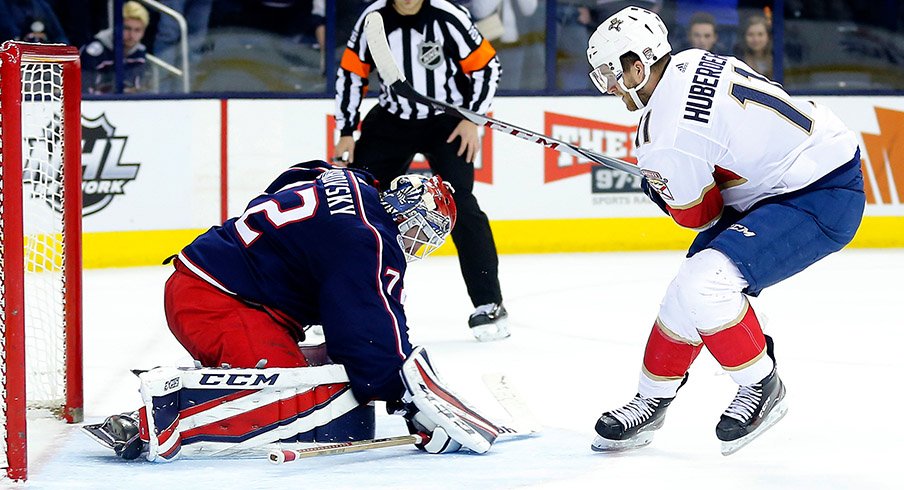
(321, 246)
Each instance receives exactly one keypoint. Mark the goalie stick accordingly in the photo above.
(522, 423)
(523, 419)
(280, 456)
(375, 33)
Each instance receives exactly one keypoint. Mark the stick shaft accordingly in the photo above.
(405, 89)
(280, 456)
(392, 76)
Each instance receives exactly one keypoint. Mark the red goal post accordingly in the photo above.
(40, 241)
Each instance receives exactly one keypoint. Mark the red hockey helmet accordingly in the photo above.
(424, 211)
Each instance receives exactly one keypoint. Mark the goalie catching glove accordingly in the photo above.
(430, 408)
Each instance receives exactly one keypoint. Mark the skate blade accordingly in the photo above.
(491, 331)
(602, 445)
(96, 432)
(779, 411)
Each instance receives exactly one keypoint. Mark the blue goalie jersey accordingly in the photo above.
(317, 248)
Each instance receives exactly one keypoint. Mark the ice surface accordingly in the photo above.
(579, 323)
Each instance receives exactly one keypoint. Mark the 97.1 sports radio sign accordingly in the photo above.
(606, 138)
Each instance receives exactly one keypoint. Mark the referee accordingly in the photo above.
(444, 57)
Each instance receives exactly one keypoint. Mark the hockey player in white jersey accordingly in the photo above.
(772, 184)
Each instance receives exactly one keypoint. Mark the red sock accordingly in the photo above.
(667, 356)
(738, 344)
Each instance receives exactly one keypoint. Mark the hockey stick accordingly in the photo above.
(523, 423)
(523, 419)
(392, 76)
(280, 456)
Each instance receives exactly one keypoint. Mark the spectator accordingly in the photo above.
(701, 32)
(487, 15)
(30, 20)
(98, 72)
(575, 21)
(756, 45)
(510, 25)
(517, 52)
(166, 44)
(725, 12)
(318, 21)
(307, 26)
(526, 8)
(80, 20)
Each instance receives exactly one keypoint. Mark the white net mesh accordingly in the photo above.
(42, 180)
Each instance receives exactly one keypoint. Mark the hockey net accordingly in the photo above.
(40, 242)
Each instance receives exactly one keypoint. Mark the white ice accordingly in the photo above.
(579, 323)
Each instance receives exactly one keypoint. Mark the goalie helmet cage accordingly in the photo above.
(40, 242)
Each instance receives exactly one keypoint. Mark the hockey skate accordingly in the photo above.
(119, 433)
(489, 322)
(754, 409)
(632, 425)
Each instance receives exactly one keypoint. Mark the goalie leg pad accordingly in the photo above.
(439, 407)
(215, 411)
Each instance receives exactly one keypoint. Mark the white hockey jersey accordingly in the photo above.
(716, 133)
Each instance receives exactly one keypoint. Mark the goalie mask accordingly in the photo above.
(424, 211)
(631, 30)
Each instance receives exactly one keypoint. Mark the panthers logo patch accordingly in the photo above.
(658, 182)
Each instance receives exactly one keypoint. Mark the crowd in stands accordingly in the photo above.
(86, 24)
(742, 28)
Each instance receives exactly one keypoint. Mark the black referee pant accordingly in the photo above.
(386, 148)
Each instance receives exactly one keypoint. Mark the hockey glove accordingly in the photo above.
(436, 439)
(653, 195)
(451, 421)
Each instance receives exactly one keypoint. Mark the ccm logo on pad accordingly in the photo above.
(237, 379)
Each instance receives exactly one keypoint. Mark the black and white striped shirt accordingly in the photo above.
(441, 53)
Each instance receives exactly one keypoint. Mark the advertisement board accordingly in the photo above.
(170, 169)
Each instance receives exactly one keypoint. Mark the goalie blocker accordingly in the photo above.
(204, 412)
(431, 408)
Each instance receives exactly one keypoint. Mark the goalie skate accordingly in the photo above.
(119, 433)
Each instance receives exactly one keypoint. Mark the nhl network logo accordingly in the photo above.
(105, 175)
(43, 165)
